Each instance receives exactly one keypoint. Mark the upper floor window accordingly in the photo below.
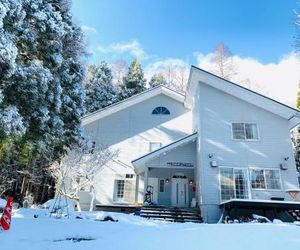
(160, 111)
(154, 146)
(244, 131)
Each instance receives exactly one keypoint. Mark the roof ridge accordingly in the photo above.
(130, 98)
(242, 87)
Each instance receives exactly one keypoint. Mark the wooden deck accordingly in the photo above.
(286, 211)
(118, 208)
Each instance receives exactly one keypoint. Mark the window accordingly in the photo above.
(265, 179)
(244, 131)
(233, 183)
(161, 185)
(154, 146)
(120, 188)
(124, 191)
(258, 179)
(160, 111)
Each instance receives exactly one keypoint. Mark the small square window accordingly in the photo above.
(154, 146)
(244, 131)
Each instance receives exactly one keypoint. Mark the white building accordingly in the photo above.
(219, 144)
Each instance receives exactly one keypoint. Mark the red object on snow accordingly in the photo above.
(6, 215)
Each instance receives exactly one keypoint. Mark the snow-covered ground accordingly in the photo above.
(133, 232)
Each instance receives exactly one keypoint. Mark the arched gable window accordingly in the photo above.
(160, 111)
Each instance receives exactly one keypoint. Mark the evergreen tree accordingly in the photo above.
(157, 79)
(100, 91)
(41, 73)
(134, 81)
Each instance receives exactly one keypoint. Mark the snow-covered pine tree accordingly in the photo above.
(100, 91)
(134, 81)
(157, 79)
(41, 82)
(11, 122)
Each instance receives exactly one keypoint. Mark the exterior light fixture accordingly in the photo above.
(284, 165)
(213, 164)
(167, 181)
(191, 182)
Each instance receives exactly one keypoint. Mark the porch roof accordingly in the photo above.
(139, 163)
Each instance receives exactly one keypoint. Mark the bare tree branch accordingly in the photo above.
(79, 168)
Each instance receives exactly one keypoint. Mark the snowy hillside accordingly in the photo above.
(132, 232)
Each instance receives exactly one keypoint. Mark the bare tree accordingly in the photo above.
(78, 170)
(119, 69)
(181, 78)
(252, 85)
(168, 72)
(175, 76)
(222, 61)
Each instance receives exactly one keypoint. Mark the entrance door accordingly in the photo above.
(154, 183)
(180, 195)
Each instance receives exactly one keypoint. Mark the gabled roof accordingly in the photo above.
(139, 163)
(147, 94)
(198, 75)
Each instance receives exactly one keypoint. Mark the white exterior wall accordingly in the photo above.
(130, 131)
(158, 168)
(217, 111)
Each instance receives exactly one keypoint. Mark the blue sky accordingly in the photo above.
(261, 29)
(260, 33)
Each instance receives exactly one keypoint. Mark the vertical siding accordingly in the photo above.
(216, 112)
(158, 168)
(130, 131)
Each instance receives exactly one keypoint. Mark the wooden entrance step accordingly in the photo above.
(174, 214)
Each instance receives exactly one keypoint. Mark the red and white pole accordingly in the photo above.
(6, 215)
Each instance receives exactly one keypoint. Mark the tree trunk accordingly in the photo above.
(93, 199)
(78, 205)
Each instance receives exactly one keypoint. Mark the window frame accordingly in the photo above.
(247, 122)
(234, 187)
(115, 192)
(265, 179)
(162, 108)
(153, 143)
(159, 185)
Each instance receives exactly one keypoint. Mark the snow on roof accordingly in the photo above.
(147, 94)
(198, 75)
